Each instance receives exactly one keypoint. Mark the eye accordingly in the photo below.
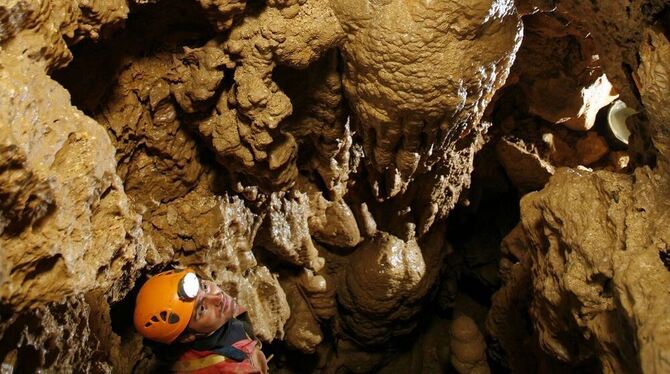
(201, 309)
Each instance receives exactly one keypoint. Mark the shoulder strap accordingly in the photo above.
(198, 363)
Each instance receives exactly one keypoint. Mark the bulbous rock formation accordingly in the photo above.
(314, 158)
(383, 285)
(382, 274)
(468, 349)
(245, 127)
(419, 75)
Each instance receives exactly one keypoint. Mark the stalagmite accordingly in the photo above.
(369, 185)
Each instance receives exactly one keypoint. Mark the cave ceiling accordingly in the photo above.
(386, 185)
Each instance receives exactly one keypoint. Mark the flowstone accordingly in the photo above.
(315, 158)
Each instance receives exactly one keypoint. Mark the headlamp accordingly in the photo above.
(616, 119)
(188, 287)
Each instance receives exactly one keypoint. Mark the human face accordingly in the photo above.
(212, 309)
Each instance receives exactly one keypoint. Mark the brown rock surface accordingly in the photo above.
(468, 349)
(384, 283)
(419, 75)
(41, 30)
(67, 224)
(244, 129)
(286, 232)
(71, 228)
(594, 265)
(568, 86)
(527, 170)
(306, 155)
(617, 29)
(303, 332)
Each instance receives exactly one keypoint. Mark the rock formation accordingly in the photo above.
(387, 186)
(418, 76)
(582, 272)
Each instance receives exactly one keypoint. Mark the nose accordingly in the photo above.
(214, 299)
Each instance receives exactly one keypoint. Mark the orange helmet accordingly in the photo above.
(165, 303)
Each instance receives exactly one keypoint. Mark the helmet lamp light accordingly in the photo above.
(189, 286)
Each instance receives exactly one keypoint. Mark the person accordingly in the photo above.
(200, 326)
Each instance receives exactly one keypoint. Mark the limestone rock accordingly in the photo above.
(617, 29)
(306, 155)
(383, 283)
(330, 222)
(590, 265)
(654, 80)
(506, 322)
(468, 349)
(320, 122)
(302, 329)
(244, 127)
(58, 334)
(599, 271)
(286, 234)
(40, 31)
(591, 148)
(78, 233)
(527, 170)
(410, 130)
(68, 226)
(531, 150)
(213, 231)
(560, 72)
(158, 158)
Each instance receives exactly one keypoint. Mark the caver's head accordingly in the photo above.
(177, 305)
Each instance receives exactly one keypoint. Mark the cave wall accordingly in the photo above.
(586, 266)
(306, 155)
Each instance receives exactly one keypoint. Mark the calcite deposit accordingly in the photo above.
(590, 274)
(418, 76)
(68, 227)
(386, 185)
(569, 87)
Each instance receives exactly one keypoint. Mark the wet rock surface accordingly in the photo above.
(387, 186)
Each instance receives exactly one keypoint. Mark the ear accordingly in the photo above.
(186, 339)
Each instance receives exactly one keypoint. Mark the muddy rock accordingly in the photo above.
(67, 225)
(591, 148)
(41, 31)
(391, 43)
(157, 156)
(617, 29)
(526, 169)
(320, 123)
(286, 234)
(320, 160)
(71, 227)
(330, 222)
(303, 332)
(245, 127)
(587, 276)
(57, 333)
(383, 284)
(468, 349)
(569, 87)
